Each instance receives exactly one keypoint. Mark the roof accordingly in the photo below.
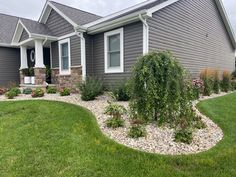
(36, 27)
(7, 28)
(77, 16)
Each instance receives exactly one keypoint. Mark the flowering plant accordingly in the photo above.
(37, 93)
(198, 87)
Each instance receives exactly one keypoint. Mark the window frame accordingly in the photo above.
(119, 69)
(60, 43)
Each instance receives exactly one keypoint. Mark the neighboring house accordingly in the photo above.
(79, 44)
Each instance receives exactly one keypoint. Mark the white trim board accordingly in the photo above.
(68, 72)
(114, 69)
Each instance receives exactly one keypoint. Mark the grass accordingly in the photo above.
(43, 138)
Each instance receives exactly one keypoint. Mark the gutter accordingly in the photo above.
(83, 53)
(145, 34)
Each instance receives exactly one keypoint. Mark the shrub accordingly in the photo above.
(51, 90)
(90, 89)
(233, 85)
(137, 131)
(208, 80)
(216, 82)
(184, 136)
(10, 94)
(114, 123)
(161, 89)
(198, 123)
(115, 111)
(3, 91)
(233, 75)
(27, 91)
(15, 90)
(37, 93)
(198, 87)
(226, 81)
(65, 92)
(120, 91)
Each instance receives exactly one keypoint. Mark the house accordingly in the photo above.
(77, 44)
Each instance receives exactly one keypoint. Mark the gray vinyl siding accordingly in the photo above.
(55, 55)
(58, 25)
(89, 54)
(195, 33)
(75, 49)
(24, 35)
(133, 48)
(9, 65)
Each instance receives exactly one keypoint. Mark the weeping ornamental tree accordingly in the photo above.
(161, 90)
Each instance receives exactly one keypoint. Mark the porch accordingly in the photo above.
(35, 63)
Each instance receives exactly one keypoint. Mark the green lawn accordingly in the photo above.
(42, 138)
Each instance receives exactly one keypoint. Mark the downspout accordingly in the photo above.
(83, 53)
(145, 34)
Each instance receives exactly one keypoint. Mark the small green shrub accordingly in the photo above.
(226, 82)
(27, 91)
(233, 75)
(216, 82)
(115, 123)
(16, 91)
(207, 77)
(121, 92)
(198, 123)
(65, 92)
(10, 94)
(51, 90)
(115, 111)
(184, 136)
(90, 89)
(37, 93)
(233, 85)
(137, 131)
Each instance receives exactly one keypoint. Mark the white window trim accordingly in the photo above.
(114, 69)
(68, 72)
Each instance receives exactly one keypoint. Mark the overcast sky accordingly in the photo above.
(32, 8)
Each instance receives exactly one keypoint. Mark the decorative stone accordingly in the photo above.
(67, 81)
(40, 76)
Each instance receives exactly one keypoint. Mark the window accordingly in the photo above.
(64, 57)
(114, 51)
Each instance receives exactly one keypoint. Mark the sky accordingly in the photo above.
(32, 8)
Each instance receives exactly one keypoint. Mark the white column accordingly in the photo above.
(23, 57)
(39, 54)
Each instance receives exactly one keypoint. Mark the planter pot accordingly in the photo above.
(27, 80)
(32, 80)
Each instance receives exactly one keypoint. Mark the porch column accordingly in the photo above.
(23, 63)
(39, 54)
(39, 68)
(23, 57)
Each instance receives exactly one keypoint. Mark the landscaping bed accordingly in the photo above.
(158, 140)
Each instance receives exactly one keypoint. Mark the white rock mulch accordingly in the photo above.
(158, 140)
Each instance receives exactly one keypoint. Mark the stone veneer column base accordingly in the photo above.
(22, 75)
(40, 76)
(67, 81)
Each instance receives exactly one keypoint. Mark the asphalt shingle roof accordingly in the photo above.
(79, 17)
(7, 28)
(36, 27)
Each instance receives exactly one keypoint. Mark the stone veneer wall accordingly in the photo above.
(40, 76)
(67, 81)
